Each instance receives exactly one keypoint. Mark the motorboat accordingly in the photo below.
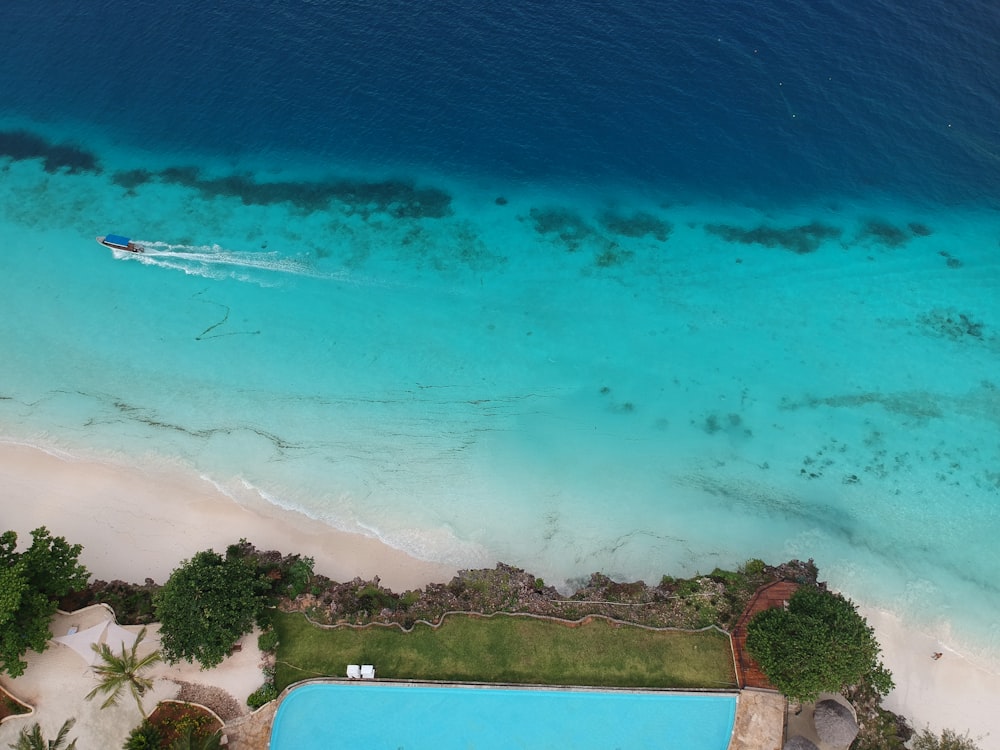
(117, 242)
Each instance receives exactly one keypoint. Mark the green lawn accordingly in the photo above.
(509, 649)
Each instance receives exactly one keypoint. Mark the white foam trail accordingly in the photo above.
(214, 261)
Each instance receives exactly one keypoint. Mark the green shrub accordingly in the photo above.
(409, 599)
(189, 723)
(688, 587)
(948, 740)
(753, 567)
(727, 577)
(297, 575)
(268, 641)
(372, 599)
(262, 695)
(144, 737)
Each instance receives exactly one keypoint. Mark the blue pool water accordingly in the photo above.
(404, 717)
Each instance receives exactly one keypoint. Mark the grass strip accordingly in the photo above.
(512, 649)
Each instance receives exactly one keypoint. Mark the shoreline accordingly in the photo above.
(136, 524)
(951, 692)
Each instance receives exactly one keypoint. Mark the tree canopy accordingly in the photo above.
(207, 604)
(818, 644)
(30, 584)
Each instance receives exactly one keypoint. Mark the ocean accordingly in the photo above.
(643, 288)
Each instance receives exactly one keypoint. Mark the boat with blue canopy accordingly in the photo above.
(117, 242)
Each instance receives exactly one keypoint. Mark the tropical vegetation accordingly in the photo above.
(190, 739)
(947, 740)
(118, 671)
(146, 736)
(819, 643)
(32, 739)
(208, 604)
(31, 582)
(185, 725)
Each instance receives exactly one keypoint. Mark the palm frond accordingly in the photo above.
(61, 736)
(116, 671)
(33, 740)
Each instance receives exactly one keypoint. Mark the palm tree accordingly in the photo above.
(191, 740)
(33, 740)
(118, 671)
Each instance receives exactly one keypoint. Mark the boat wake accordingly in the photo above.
(216, 262)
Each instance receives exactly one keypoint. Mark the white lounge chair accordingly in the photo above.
(353, 672)
(367, 672)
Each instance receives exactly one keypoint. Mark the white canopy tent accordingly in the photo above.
(118, 638)
(81, 642)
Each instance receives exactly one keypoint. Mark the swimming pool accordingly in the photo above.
(393, 716)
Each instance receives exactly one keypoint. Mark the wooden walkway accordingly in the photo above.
(748, 673)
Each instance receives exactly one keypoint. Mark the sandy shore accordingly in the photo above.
(951, 692)
(135, 525)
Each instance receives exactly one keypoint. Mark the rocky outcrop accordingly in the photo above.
(714, 599)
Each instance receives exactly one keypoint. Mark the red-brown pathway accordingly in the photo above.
(748, 673)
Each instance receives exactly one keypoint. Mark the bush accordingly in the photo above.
(818, 644)
(408, 599)
(372, 599)
(268, 641)
(753, 567)
(144, 737)
(688, 587)
(949, 740)
(297, 573)
(262, 695)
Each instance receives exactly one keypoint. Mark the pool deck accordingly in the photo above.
(760, 721)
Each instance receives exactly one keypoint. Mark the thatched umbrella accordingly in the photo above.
(835, 723)
(798, 742)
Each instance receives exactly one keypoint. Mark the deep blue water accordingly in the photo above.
(750, 101)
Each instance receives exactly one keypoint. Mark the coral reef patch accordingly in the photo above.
(951, 324)
(639, 224)
(400, 199)
(883, 233)
(568, 226)
(802, 239)
(19, 145)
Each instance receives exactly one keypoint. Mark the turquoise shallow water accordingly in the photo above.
(644, 289)
(415, 717)
(575, 380)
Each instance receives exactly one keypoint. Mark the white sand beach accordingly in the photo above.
(137, 524)
(950, 692)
